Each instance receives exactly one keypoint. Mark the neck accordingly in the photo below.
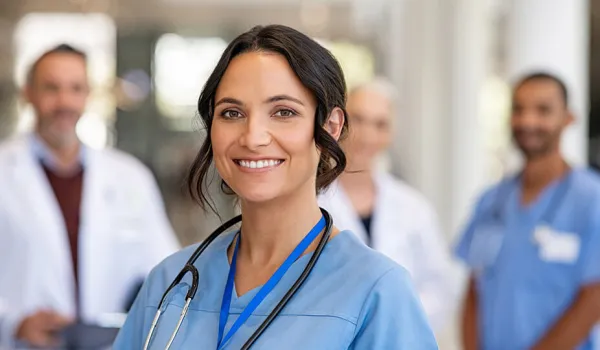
(362, 180)
(65, 153)
(271, 231)
(541, 171)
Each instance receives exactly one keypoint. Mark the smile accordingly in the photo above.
(258, 164)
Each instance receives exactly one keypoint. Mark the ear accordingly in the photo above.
(570, 118)
(335, 123)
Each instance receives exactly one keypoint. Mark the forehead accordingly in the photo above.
(369, 103)
(260, 75)
(539, 90)
(60, 66)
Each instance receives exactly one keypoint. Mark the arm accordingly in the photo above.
(470, 332)
(392, 317)
(17, 325)
(470, 337)
(576, 323)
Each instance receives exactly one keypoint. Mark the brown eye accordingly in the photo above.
(285, 113)
(231, 114)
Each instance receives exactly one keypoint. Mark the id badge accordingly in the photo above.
(557, 247)
(485, 246)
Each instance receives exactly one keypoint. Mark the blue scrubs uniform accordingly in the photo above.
(355, 298)
(530, 262)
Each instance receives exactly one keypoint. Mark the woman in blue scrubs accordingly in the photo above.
(274, 110)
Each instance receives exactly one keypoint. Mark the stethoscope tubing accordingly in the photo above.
(191, 293)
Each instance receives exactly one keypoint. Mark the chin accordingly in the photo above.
(258, 194)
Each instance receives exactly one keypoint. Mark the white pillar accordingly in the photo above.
(469, 70)
(437, 57)
(553, 35)
(417, 62)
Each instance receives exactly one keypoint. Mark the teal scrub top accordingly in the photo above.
(530, 262)
(355, 298)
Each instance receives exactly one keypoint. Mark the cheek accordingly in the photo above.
(221, 139)
(45, 104)
(385, 139)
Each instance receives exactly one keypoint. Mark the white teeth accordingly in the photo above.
(252, 164)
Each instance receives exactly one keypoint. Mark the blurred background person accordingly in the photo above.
(533, 242)
(79, 228)
(386, 213)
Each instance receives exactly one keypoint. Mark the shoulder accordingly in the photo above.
(387, 311)
(362, 269)
(13, 146)
(587, 182)
(584, 194)
(121, 159)
(496, 192)
(124, 165)
(361, 258)
(403, 192)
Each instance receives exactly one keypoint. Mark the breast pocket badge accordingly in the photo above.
(485, 246)
(557, 247)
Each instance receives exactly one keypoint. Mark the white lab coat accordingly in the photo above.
(124, 232)
(404, 227)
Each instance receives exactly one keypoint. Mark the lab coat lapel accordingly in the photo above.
(341, 207)
(45, 224)
(93, 241)
(392, 221)
(382, 207)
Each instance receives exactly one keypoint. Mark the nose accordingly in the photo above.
(256, 133)
(65, 98)
(526, 118)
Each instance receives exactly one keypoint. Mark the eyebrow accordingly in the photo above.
(229, 100)
(272, 99)
(284, 98)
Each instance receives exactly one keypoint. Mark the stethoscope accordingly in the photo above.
(190, 268)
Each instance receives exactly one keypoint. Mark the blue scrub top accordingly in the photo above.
(355, 298)
(530, 262)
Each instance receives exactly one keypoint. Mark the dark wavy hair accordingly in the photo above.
(317, 69)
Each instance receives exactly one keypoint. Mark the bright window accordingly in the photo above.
(358, 62)
(181, 68)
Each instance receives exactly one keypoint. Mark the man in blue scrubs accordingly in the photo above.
(533, 243)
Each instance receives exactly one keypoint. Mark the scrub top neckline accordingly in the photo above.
(543, 196)
(237, 300)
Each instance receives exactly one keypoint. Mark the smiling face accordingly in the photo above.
(58, 92)
(539, 117)
(262, 130)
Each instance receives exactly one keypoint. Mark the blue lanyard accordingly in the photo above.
(265, 290)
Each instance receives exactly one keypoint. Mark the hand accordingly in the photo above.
(40, 329)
